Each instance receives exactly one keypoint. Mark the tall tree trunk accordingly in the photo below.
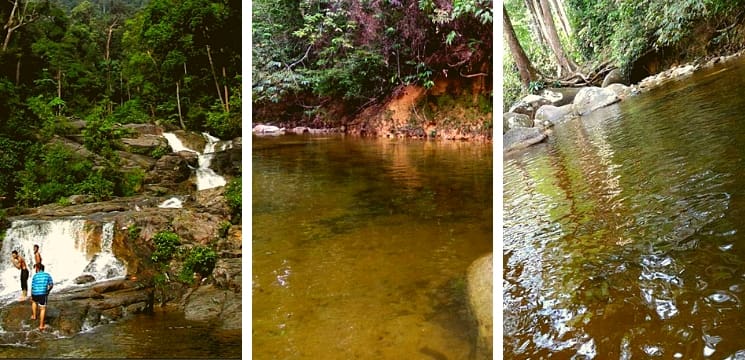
(564, 19)
(18, 71)
(214, 76)
(178, 103)
(59, 90)
(227, 102)
(528, 73)
(107, 57)
(537, 27)
(18, 17)
(566, 64)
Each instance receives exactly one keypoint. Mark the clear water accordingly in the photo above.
(624, 235)
(360, 247)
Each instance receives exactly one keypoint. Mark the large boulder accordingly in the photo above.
(144, 129)
(200, 228)
(621, 90)
(613, 77)
(172, 169)
(211, 304)
(514, 120)
(479, 289)
(519, 138)
(227, 162)
(591, 98)
(191, 140)
(567, 95)
(549, 115)
(529, 104)
(213, 201)
(227, 274)
(144, 144)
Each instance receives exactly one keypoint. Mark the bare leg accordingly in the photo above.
(41, 318)
(33, 310)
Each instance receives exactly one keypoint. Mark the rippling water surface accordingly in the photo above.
(360, 247)
(624, 235)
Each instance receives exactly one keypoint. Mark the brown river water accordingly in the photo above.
(360, 247)
(161, 335)
(624, 234)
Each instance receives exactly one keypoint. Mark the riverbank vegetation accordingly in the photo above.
(552, 43)
(108, 63)
(322, 63)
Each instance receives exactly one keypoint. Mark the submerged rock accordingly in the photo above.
(549, 115)
(519, 138)
(480, 284)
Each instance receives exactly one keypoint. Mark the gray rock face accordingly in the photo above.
(567, 95)
(227, 274)
(514, 120)
(549, 115)
(209, 303)
(479, 285)
(144, 144)
(172, 169)
(528, 105)
(613, 77)
(228, 162)
(519, 138)
(144, 129)
(592, 98)
(622, 91)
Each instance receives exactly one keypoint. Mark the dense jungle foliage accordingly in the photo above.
(627, 33)
(108, 62)
(310, 56)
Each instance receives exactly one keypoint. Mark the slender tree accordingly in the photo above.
(560, 9)
(537, 27)
(565, 63)
(528, 73)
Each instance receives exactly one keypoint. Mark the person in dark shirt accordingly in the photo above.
(37, 255)
(20, 264)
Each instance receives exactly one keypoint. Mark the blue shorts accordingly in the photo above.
(39, 299)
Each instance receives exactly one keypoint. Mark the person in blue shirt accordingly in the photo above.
(41, 285)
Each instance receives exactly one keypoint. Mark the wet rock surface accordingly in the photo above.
(73, 310)
(203, 219)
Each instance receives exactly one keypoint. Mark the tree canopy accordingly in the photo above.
(637, 37)
(309, 53)
(108, 62)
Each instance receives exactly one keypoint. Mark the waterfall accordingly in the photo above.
(104, 264)
(66, 247)
(206, 177)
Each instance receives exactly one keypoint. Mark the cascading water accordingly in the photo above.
(105, 263)
(64, 245)
(206, 177)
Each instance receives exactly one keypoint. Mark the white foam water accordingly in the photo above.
(206, 177)
(64, 246)
(172, 203)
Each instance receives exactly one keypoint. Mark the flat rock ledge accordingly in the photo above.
(71, 311)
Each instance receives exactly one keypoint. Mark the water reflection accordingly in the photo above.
(622, 234)
(371, 257)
